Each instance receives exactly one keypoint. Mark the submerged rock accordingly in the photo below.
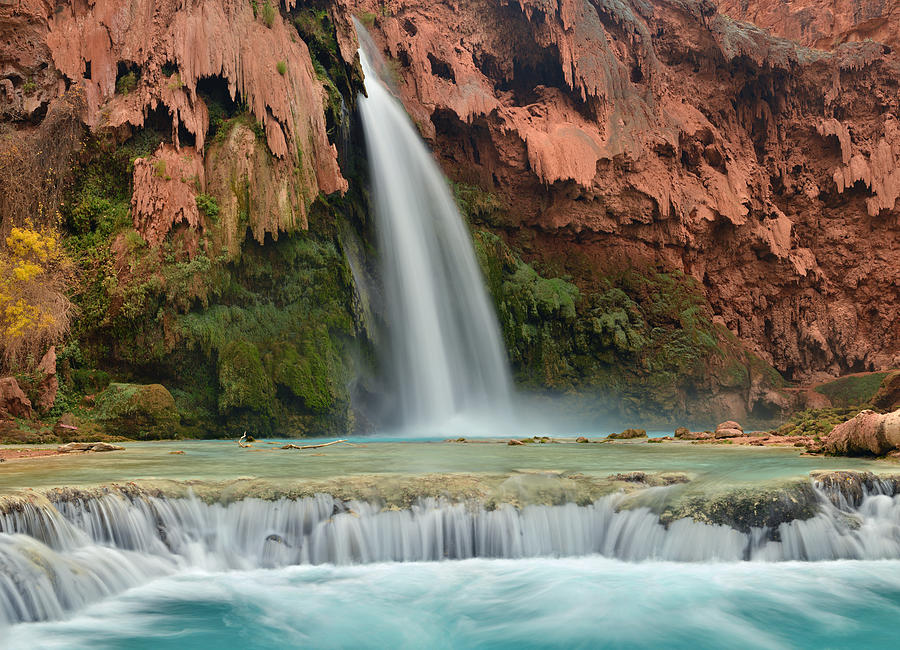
(87, 446)
(867, 433)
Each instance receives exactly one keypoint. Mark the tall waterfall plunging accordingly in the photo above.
(447, 354)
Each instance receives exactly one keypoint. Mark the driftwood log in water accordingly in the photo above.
(324, 444)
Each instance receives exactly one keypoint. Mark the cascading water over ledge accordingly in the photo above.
(61, 556)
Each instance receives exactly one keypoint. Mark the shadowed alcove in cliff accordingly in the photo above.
(219, 102)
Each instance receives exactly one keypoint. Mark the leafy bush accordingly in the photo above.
(281, 66)
(34, 309)
(208, 205)
(268, 13)
(126, 83)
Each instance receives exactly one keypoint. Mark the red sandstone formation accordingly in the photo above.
(665, 133)
(169, 47)
(13, 402)
(823, 24)
(615, 134)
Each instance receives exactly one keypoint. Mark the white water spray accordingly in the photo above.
(448, 358)
(56, 558)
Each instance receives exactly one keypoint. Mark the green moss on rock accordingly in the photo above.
(853, 390)
(140, 411)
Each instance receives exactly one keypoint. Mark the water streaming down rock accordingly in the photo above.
(56, 557)
(448, 357)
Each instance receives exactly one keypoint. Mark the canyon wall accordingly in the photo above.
(667, 202)
(666, 134)
(823, 24)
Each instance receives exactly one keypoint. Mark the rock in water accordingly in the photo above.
(729, 429)
(87, 446)
(628, 434)
(12, 399)
(867, 433)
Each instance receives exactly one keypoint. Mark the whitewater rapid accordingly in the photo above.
(56, 558)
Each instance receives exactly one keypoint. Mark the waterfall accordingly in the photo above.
(60, 556)
(448, 360)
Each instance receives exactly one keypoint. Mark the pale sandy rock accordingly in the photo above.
(867, 433)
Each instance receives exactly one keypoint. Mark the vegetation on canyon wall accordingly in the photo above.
(241, 311)
(208, 332)
(642, 338)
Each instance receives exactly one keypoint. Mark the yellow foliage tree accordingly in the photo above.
(34, 310)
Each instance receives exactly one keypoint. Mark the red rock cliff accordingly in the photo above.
(822, 24)
(166, 48)
(636, 133)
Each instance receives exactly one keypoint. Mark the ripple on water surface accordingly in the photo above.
(589, 602)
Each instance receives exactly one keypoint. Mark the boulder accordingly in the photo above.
(45, 391)
(513, 442)
(141, 411)
(581, 439)
(866, 433)
(697, 435)
(682, 432)
(628, 434)
(729, 429)
(13, 401)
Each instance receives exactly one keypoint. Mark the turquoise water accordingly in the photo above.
(219, 459)
(565, 603)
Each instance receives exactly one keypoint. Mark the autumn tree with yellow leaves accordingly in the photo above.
(34, 309)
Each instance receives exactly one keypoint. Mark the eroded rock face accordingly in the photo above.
(145, 60)
(867, 433)
(822, 24)
(49, 385)
(664, 133)
(13, 401)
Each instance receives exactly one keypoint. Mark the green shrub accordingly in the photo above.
(208, 205)
(159, 169)
(126, 83)
(268, 13)
(281, 66)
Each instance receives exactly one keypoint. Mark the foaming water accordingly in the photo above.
(59, 559)
(449, 363)
(566, 603)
